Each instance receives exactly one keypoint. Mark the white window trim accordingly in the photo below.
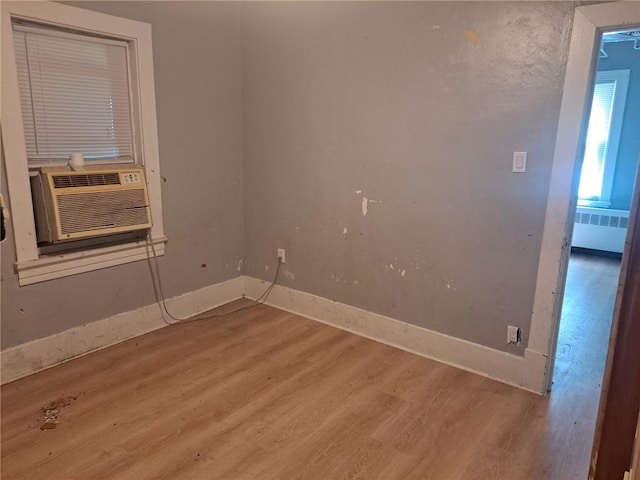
(30, 266)
(621, 77)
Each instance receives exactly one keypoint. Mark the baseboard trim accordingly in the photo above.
(31, 357)
(524, 372)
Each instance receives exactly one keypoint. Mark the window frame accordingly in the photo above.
(621, 78)
(31, 266)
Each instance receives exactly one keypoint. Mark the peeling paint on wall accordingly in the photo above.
(237, 263)
(337, 279)
(344, 231)
(365, 202)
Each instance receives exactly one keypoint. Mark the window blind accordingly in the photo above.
(74, 92)
(597, 142)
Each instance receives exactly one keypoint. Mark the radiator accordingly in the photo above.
(600, 229)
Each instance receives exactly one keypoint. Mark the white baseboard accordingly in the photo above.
(37, 355)
(524, 372)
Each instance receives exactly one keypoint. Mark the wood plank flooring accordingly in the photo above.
(264, 394)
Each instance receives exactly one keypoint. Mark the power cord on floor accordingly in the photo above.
(160, 298)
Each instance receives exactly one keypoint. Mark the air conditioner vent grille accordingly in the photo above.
(86, 180)
(98, 210)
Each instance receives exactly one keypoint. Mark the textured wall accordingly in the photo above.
(410, 113)
(622, 56)
(198, 90)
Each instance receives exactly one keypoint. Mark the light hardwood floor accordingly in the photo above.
(264, 394)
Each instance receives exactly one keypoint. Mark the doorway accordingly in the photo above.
(617, 409)
(605, 191)
(590, 23)
(618, 406)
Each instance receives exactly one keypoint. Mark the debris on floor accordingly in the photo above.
(51, 412)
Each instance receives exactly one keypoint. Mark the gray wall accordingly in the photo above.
(198, 90)
(622, 56)
(392, 99)
(311, 103)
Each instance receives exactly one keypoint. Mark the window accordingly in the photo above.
(75, 81)
(603, 136)
(74, 92)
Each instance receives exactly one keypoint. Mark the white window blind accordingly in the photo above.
(74, 92)
(597, 141)
(603, 138)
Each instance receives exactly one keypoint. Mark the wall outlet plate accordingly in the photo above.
(281, 255)
(513, 334)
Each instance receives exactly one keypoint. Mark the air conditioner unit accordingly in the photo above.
(101, 200)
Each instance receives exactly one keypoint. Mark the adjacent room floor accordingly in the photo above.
(265, 394)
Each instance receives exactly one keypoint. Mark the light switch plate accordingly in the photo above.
(519, 162)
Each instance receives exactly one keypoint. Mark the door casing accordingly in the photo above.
(590, 22)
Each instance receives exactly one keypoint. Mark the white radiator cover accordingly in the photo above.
(600, 229)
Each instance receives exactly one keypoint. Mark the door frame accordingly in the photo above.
(615, 430)
(589, 23)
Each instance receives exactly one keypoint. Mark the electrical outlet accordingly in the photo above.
(281, 255)
(513, 334)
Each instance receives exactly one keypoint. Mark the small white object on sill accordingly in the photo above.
(77, 162)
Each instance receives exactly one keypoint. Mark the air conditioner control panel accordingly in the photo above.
(130, 177)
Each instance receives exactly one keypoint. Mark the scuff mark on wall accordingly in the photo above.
(289, 275)
(344, 230)
(337, 279)
(435, 27)
(237, 263)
